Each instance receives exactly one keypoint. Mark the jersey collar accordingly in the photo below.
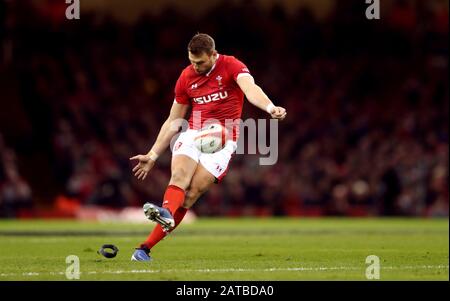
(212, 68)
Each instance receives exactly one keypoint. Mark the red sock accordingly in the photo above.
(158, 234)
(173, 198)
(178, 216)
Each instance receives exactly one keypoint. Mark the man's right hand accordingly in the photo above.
(144, 165)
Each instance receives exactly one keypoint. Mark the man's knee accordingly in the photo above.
(179, 178)
(192, 195)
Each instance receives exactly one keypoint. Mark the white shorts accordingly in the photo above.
(216, 164)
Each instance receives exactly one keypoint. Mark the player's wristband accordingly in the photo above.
(153, 156)
(269, 108)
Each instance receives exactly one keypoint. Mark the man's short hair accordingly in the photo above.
(200, 43)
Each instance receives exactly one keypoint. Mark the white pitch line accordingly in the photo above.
(296, 269)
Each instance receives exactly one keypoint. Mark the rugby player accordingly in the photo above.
(213, 86)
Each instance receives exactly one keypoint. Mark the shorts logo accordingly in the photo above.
(211, 97)
(219, 169)
(177, 146)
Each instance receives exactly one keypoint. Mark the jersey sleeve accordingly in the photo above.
(181, 96)
(238, 69)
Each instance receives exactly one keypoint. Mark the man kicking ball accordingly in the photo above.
(214, 85)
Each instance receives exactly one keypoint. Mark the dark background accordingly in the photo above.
(366, 133)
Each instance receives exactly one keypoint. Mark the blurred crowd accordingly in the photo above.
(366, 133)
(15, 192)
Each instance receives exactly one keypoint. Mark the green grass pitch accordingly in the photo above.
(231, 249)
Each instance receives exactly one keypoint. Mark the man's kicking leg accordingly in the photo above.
(201, 181)
(183, 168)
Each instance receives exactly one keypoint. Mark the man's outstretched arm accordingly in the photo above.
(258, 98)
(167, 131)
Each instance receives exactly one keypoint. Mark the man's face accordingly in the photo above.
(203, 62)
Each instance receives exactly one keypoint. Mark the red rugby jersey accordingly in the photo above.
(214, 95)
